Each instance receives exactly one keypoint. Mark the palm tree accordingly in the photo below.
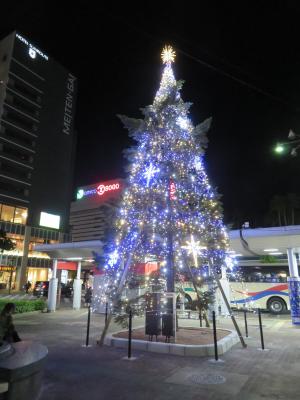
(284, 207)
(293, 201)
(278, 206)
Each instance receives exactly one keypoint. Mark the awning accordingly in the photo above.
(74, 251)
(263, 241)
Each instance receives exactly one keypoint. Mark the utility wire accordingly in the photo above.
(208, 65)
(232, 77)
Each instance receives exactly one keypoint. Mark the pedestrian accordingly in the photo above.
(7, 329)
(27, 286)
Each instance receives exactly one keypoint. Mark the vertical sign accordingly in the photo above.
(172, 190)
(294, 292)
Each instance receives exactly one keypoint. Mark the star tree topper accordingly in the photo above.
(168, 55)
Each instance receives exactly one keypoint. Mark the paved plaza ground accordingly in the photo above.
(94, 373)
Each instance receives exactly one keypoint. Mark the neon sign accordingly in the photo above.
(100, 190)
(32, 51)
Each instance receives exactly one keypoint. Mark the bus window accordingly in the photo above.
(268, 274)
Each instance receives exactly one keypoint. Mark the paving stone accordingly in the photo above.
(78, 373)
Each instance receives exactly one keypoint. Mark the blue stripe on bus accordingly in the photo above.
(259, 296)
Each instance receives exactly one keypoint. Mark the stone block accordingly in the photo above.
(177, 349)
(139, 345)
(23, 370)
(222, 348)
(196, 351)
(157, 347)
(211, 350)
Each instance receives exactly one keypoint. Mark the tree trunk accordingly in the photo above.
(198, 296)
(293, 216)
(279, 217)
(284, 216)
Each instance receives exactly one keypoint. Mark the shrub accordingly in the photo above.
(24, 305)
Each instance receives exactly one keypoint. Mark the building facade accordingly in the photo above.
(93, 211)
(37, 145)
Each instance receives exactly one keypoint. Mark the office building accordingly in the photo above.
(37, 143)
(94, 209)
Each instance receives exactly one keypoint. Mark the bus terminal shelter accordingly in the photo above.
(245, 244)
(280, 242)
(80, 252)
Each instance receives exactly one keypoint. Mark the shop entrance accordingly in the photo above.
(7, 278)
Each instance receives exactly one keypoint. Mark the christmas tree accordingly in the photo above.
(169, 212)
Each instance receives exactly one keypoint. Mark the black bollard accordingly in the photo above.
(106, 312)
(215, 335)
(88, 326)
(129, 333)
(246, 324)
(261, 330)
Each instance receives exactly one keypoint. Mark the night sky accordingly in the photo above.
(240, 64)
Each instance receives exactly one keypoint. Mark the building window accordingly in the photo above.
(7, 213)
(17, 215)
(20, 216)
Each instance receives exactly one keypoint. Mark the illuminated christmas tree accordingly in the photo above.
(169, 212)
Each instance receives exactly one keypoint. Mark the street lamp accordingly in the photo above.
(279, 148)
(294, 139)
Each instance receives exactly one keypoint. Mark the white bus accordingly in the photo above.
(256, 285)
(260, 286)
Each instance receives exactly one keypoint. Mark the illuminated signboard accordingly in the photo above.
(7, 268)
(32, 50)
(172, 190)
(69, 104)
(99, 190)
(49, 220)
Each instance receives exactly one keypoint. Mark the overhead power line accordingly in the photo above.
(208, 65)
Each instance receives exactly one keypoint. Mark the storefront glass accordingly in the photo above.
(7, 277)
(37, 274)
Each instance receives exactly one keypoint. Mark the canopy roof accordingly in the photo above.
(72, 251)
(264, 241)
